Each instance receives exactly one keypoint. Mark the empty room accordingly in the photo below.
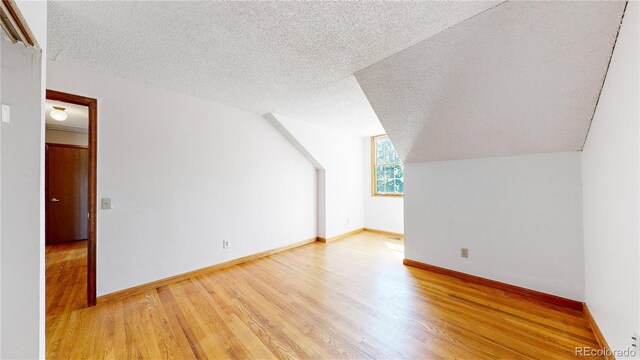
(319, 180)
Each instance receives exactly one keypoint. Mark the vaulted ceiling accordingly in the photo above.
(293, 58)
(447, 80)
(521, 78)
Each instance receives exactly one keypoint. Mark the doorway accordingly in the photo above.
(70, 188)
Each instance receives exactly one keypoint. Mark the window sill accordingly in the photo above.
(388, 195)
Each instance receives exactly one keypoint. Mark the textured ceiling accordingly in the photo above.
(521, 78)
(293, 58)
(342, 106)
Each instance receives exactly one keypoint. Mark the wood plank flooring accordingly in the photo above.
(349, 299)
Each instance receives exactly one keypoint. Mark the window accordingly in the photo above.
(387, 173)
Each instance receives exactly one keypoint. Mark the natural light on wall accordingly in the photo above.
(387, 173)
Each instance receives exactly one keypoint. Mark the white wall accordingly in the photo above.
(20, 236)
(24, 261)
(520, 217)
(184, 174)
(380, 212)
(611, 180)
(340, 155)
(66, 137)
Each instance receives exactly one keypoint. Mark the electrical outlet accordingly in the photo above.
(225, 244)
(6, 114)
(464, 252)
(635, 341)
(106, 204)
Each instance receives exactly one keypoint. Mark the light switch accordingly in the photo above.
(106, 203)
(6, 113)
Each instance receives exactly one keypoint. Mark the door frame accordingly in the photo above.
(92, 104)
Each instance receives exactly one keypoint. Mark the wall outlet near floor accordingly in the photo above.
(225, 244)
(635, 341)
(464, 252)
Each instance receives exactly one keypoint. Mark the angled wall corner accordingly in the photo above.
(337, 157)
(293, 140)
(320, 170)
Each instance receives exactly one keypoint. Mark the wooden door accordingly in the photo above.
(67, 193)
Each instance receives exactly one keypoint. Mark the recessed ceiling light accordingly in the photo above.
(58, 113)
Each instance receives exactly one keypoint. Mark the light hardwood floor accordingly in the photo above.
(349, 299)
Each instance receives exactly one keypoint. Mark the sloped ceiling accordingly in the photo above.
(521, 78)
(292, 58)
